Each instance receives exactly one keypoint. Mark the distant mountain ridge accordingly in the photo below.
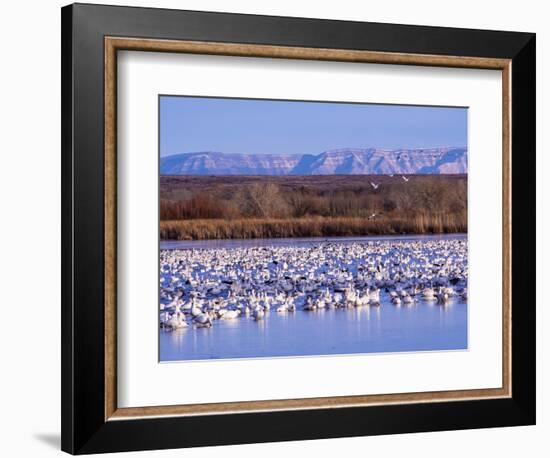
(354, 161)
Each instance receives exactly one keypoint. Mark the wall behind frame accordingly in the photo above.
(30, 233)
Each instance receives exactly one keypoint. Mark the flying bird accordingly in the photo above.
(374, 185)
(405, 178)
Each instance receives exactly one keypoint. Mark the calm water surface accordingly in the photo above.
(388, 328)
(297, 241)
(324, 332)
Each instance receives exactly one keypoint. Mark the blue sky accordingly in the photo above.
(191, 124)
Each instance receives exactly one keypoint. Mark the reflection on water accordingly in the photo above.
(387, 328)
(422, 326)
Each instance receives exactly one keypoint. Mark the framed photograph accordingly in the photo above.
(281, 228)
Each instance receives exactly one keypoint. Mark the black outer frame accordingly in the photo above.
(84, 429)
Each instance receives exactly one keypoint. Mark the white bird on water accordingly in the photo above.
(309, 305)
(195, 309)
(203, 320)
(221, 284)
(230, 314)
(176, 321)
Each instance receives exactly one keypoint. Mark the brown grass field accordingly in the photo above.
(243, 207)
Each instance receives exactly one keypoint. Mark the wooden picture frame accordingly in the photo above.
(91, 37)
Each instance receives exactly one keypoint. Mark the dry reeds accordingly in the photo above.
(253, 228)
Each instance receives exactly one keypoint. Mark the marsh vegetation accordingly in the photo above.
(242, 207)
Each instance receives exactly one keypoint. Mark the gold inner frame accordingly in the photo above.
(114, 44)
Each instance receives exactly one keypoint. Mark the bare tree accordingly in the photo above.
(264, 200)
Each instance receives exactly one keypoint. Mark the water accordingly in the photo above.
(424, 326)
(323, 332)
(297, 241)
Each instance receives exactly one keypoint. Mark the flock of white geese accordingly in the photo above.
(200, 286)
